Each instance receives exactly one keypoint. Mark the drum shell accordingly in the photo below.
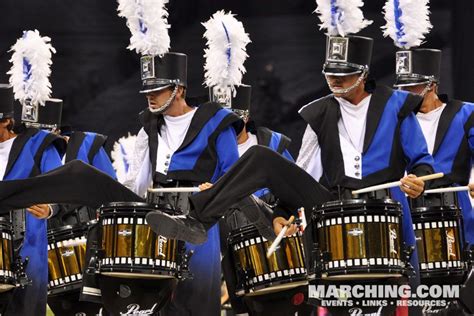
(439, 232)
(259, 275)
(8, 275)
(359, 239)
(66, 257)
(130, 249)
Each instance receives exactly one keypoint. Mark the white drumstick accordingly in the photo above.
(396, 184)
(444, 190)
(174, 190)
(280, 236)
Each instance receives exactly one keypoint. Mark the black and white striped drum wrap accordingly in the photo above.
(359, 239)
(259, 275)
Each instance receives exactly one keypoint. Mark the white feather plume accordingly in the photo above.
(122, 156)
(408, 21)
(341, 17)
(31, 67)
(226, 50)
(148, 23)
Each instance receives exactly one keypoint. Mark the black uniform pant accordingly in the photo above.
(260, 167)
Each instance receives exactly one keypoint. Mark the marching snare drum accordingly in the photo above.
(359, 239)
(259, 275)
(439, 240)
(130, 249)
(66, 257)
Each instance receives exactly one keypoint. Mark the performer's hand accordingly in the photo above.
(471, 189)
(412, 186)
(40, 211)
(280, 222)
(205, 186)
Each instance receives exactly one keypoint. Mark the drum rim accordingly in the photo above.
(242, 230)
(80, 226)
(352, 202)
(126, 204)
(425, 210)
(114, 208)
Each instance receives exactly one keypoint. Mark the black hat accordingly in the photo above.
(159, 73)
(417, 66)
(47, 116)
(6, 101)
(239, 101)
(347, 55)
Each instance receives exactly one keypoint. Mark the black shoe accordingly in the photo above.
(254, 209)
(178, 227)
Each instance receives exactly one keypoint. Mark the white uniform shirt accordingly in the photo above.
(251, 141)
(173, 132)
(351, 128)
(5, 148)
(429, 125)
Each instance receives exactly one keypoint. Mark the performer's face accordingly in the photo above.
(6, 124)
(343, 82)
(157, 99)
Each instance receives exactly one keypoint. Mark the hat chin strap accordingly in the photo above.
(349, 89)
(427, 88)
(167, 104)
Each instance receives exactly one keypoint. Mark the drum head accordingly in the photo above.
(131, 275)
(277, 288)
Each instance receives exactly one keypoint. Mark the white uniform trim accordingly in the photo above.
(140, 176)
(5, 148)
(351, 128)
(251, 141)
(429, 125)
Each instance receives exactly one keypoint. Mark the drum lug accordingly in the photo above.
(184, 272)
(407, 252)
(319, 259)
(22, 279)
(469, 255)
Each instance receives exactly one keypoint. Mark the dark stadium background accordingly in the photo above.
(98, 78)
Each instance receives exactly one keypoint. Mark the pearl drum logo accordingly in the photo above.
(393, 237)
(134, 309)
(162, 241)
(451, 241)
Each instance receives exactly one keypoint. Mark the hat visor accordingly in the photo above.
(154, 88)
(6, 115)
(410, 82)
(340, 70)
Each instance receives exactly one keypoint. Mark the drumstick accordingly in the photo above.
(172, 190)
(396, 184)
(444, 190)
(280, 236)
